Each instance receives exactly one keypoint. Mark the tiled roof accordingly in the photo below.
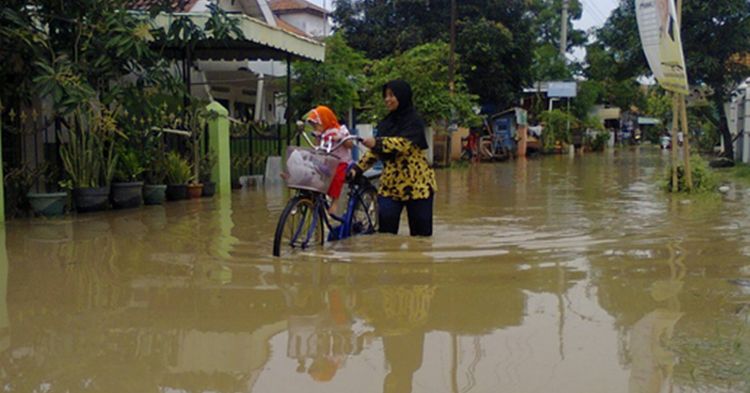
(285, 6)
(163, 5)
(286, 26)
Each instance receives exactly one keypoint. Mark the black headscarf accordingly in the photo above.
(403, 122)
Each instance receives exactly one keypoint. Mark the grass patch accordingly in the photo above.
(739, 173)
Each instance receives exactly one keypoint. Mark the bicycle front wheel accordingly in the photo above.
(298, 227)
(364, 217)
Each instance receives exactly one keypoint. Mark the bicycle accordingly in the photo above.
(303, 221)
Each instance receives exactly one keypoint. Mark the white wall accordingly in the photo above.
(738, 121)
(310, 24)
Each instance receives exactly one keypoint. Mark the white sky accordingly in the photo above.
(595, 13)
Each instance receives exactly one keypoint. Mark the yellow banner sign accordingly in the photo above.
(660, 36)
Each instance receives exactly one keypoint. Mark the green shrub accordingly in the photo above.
(704, 180)
(179, 169)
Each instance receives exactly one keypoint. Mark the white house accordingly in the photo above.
(250, 89)
(738, 121)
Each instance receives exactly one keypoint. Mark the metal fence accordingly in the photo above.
(251, 143)
(30, 147)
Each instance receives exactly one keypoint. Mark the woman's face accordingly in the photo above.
(391, 102)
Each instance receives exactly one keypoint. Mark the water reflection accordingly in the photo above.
(651, 338)
(340, 314)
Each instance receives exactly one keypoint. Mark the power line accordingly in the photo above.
(592, 15)
(593, 4)
(594, 11)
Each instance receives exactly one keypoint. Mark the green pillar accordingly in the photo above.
(2, 177)
(218, 137)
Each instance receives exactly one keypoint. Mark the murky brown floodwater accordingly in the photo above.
(560, 274)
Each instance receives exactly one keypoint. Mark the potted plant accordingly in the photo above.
(89, 157)
(154, 191)
(179, 173)
(207, 163)
(195, 187)
(47, 203)
(127, 189)
(19, 183)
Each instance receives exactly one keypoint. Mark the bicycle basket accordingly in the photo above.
(309, 169)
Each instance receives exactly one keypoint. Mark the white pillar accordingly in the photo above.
(260, 97)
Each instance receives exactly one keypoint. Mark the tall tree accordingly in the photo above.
(426, 69)
(715, 36)
(336, 83)
(495, 38)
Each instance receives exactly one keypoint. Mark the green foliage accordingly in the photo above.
(497, 55)
(618, 52)
(599, 141)
(81, 52)
(207, 163)
(590, 93)
(178, 169)
(154, 157)
(18, 182)
(335, 83)
(739, 173)
(558, 127)
(426, 69)
(129, 167)
(592, 122)
(711, 46)
(704, 180)
(89, 156)
(495, 39)
(549, 65)
(659, 105)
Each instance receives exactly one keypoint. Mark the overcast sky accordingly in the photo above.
(595, 13)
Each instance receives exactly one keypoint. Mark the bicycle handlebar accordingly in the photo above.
(326, 145)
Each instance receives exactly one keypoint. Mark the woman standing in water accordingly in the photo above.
(407, 180)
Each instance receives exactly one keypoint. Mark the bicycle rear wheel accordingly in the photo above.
(298, 227)
(364, 217)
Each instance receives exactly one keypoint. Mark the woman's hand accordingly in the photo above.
(369, 142)
(351, 175)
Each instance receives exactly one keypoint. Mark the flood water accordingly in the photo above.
(559, 274)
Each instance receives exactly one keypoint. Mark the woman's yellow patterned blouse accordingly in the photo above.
(406, 173)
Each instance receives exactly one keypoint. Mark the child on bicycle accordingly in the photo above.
(327, 127)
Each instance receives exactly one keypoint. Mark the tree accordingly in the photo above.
(426, 69)
(495, 39)
(81, 52)
(335, 83)
(715, 36)
(590, 93)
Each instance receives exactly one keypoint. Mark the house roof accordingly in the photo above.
(292, 6)
(286, 26)
(262, 41)
(173, 5)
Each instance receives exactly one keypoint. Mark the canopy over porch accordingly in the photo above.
(262, 41)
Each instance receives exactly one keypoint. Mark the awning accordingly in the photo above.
(262, 41)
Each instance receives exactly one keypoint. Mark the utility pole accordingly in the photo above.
(564, 29)
(451, 65)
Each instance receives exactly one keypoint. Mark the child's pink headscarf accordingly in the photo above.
(325, 116)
